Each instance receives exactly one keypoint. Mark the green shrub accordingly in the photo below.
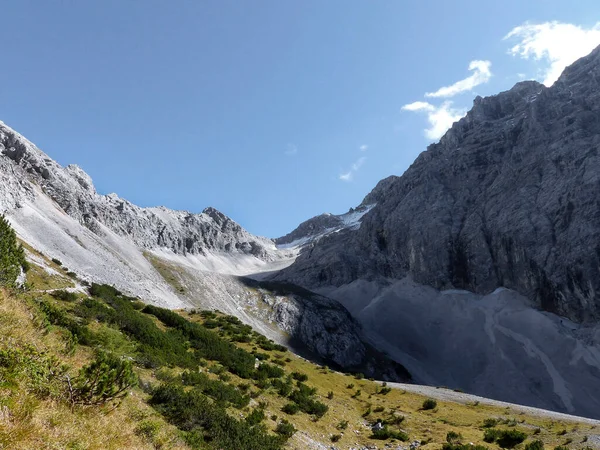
(37, 372)
(303, 397)
(63, 295)
(291, 408)
(268, 371)
(286, 429)
(148, 429)
(299, 376)
(504, 438)
(385, 433)
(219, 391)
(200, 419)
(336, 437)
(12, 255)
(342, 425)
(490, 435)
(256, 416)
(510, 438)
(535, 445)
(490, 423)
(429, 404)
(453, 437)
(105, 380)
(57, 261)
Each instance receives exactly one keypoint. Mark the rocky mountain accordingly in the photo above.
(149, 228)
(478, 267)
(323, 225)
(172, 258)
(507, 198)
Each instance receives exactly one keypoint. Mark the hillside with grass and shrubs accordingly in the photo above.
(89, 367)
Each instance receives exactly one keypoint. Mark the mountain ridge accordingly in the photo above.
(515, 148)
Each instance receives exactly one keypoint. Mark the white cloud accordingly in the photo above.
(291, 150)
(349, 175)
(440, 118)
(557, 44)
(481, 74)
(363, 148)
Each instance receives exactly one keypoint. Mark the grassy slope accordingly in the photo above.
(31, 421)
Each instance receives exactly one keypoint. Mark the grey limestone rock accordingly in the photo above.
(510, 197)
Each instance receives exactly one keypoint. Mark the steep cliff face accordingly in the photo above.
(509, 197)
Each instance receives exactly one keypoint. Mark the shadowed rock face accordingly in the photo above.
(510, 196)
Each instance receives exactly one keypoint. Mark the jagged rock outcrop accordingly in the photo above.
(510, 197)
(179, 231)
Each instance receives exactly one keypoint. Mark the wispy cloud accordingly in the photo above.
(349, 175)
(363, 148)
(291, 150)
(481, 74)
(557, 44)
(440, 118)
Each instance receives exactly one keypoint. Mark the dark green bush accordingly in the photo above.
(490, 435)
(256, 416)
(453, 437)
(106, 379)
(510, 438)
(63, 295)
(219, 391)
(303, 398)
(504, 438)
(534, 445)
(490, 423)
(386, 433)
(429, 404)
(291, 408)
(203, 420)
(268, 371)
(299, 376)
(12, 255)
(285, 429)
(207, 343)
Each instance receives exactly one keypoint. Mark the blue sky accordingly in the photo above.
(271, 111)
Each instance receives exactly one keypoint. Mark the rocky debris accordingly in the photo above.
(508, 197)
